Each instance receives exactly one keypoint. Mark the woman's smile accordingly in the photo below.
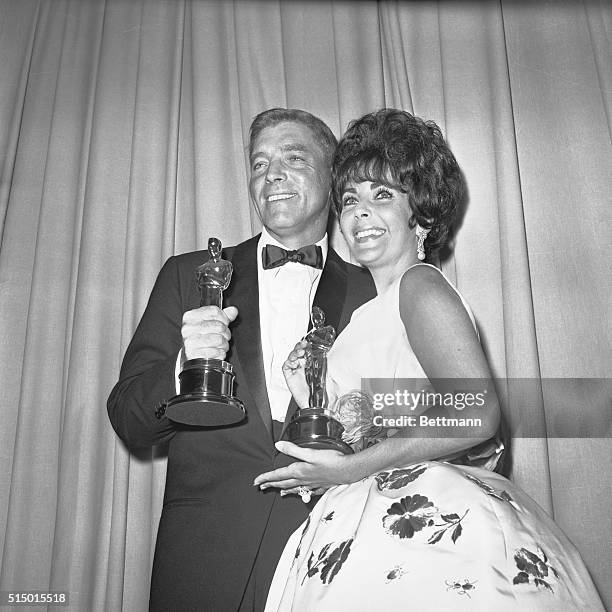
(368, 234)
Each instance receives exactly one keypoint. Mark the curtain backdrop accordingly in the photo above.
(123, 127)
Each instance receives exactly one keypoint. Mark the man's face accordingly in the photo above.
(289, 183)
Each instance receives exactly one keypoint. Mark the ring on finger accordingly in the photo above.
(305, 493)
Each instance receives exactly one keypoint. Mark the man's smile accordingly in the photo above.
(276, 197)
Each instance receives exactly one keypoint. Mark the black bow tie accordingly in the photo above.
(274, 256)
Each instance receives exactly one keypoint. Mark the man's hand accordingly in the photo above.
(206, 333)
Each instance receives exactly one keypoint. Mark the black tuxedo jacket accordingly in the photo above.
(213, 521)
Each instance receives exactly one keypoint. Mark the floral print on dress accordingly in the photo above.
(409, 515)
(416, 512)
(532, 567)
(328, 564)
(451, 522)
(299, 546)
(396, 479)
(489, 490)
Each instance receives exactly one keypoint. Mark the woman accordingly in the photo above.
(400, 524)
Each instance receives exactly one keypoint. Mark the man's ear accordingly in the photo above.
(330, 206)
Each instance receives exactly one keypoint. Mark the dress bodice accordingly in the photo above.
(375, 345)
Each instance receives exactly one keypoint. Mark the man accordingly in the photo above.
(220, 537)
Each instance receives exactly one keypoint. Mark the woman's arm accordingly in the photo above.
(445, 342)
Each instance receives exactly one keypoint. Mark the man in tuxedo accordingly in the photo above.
(219, 537)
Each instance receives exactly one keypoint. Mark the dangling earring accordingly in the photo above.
(421, 233)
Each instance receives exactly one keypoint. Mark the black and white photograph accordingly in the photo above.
(306, 305)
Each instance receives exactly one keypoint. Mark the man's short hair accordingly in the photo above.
(273, 116)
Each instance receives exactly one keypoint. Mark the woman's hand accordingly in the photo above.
(295, 376)
(316, 469)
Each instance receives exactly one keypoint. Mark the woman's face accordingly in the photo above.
(375, 223)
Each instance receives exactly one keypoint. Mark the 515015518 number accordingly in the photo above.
(34, 598)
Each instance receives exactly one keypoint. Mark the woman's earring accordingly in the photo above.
(421, 233)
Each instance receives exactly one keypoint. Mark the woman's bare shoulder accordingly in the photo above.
(425, 292)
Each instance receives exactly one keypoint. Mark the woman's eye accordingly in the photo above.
(348, 201)
(296, 158)
(383, 194)
(258, 165)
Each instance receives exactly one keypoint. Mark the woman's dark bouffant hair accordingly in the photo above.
(404, 152)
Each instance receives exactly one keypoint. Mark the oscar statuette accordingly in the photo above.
(206, 385)
(313, 427)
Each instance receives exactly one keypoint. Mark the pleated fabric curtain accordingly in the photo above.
(123, 134)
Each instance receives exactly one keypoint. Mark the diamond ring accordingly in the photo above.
(305, 493)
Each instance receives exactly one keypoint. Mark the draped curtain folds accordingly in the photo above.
(123, 134)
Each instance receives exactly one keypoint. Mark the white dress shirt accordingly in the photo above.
(286, 294)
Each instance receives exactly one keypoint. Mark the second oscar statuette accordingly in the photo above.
(314, 427)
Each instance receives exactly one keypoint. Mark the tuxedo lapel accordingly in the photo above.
(332, 289)
(330, 295)
(243, 293)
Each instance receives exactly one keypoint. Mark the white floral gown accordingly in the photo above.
(430, 536)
